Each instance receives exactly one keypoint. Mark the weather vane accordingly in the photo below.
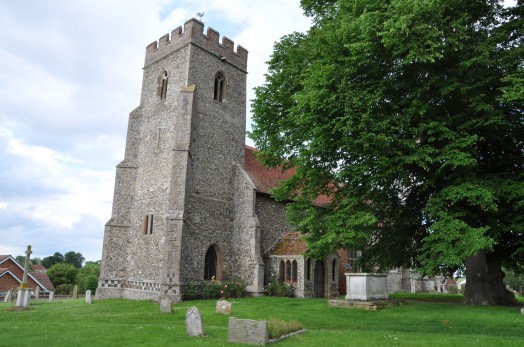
(200, 15)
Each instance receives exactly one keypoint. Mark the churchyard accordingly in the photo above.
(118, 322)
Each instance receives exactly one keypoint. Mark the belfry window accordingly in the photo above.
(147, 228)
(210, 267)
(220, 87)
(161, 90)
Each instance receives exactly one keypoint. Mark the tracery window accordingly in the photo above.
(220, 87)
(162, 86)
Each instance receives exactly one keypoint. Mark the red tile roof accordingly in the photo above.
(38, 267)
(265, 179)
(35, 278)
(43, 279)
(290, 243)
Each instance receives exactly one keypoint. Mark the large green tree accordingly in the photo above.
(408, 115)
(51, 260)
(74, 258)
(62, 273)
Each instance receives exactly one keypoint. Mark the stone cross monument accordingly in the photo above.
(24, 292)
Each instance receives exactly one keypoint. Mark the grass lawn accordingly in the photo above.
(140, 323)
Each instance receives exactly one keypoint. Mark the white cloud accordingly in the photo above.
(71, 73)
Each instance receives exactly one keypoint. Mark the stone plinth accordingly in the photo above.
(366, 286)
(248, 331)
(23, 298)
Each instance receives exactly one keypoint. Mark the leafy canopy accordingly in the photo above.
(408, 115)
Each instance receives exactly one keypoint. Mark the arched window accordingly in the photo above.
(308, 269)
(334, 270)
(147, 228)
(161, 90)
(220, 87)
(210, 267)
(288, 271)
(281, 271)
(294, 271)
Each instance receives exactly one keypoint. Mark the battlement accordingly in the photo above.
(194, 33)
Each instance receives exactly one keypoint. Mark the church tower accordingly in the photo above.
(178, 210)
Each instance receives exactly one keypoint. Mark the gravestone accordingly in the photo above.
(194, 322)
(522, 310)
(37, 293)
(248, 331)
(88, 297)
(223, 307)
(8, 296)
(75, 292)
(51, 296)
(166, 305)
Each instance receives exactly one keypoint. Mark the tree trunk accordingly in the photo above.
(500, 294)
(484, 282)
(478, 290)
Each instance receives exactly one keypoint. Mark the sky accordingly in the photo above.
(71, 72)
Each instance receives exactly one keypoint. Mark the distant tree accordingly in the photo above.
(62, 273)
(74, 258)
(20, 259)
(87, 277)
(56, 258)
(36, 261)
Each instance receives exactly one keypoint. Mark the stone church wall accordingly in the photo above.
(272, 217)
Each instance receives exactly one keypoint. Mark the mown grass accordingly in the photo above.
(140, 323)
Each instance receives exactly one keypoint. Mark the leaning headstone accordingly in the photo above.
(88, 297)
(8, 296)
(37, 293)
(75, 292)
(248, 331)
(223, 307)
(51, 296)
(166, 305)
(194, 322)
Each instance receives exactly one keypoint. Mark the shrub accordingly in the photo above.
(62, 273)
(210, 290)
(192, 292)
(216, 289)
(64, 289)
(278, 328)
(277, 287)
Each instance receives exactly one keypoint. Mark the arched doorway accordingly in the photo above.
(320, 281)
(210, 267)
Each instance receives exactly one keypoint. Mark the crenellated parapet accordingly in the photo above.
(194, 33)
